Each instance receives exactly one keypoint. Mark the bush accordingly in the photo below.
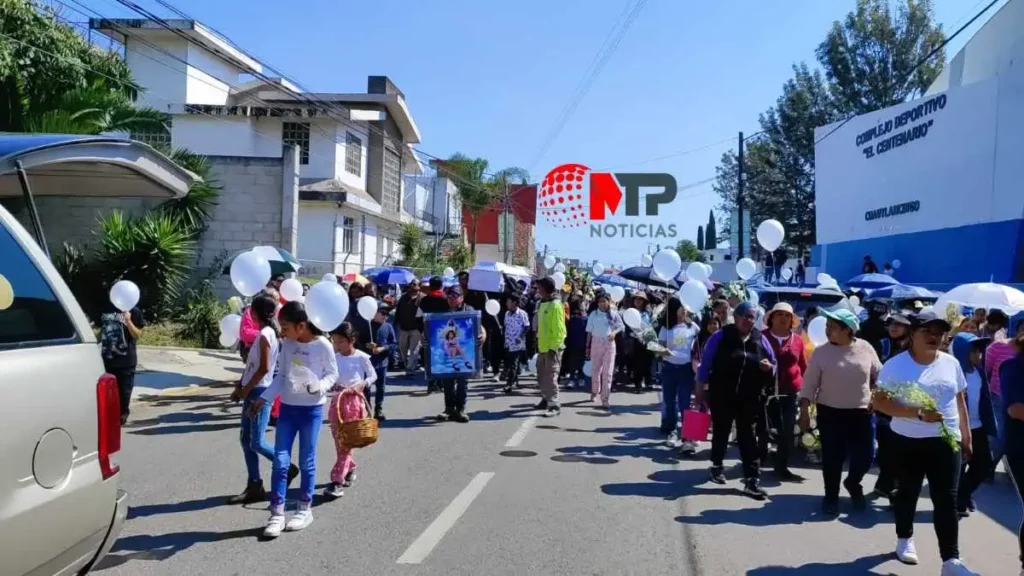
(200, 318)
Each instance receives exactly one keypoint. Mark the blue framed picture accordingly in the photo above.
(451, 343)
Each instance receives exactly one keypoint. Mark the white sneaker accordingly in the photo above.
(689, 447)
(274, 526)
(673, 439)
(303, 517)
(906, 552)
(955, 567)
(333, 490)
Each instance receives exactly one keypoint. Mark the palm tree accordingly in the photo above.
(97, 109)
(477, 188)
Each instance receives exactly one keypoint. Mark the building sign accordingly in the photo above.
(882, 133)
(606, 205)
(894, 210)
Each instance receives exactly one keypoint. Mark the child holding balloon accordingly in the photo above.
(120, 328)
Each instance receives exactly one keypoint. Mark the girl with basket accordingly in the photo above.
(349, 412)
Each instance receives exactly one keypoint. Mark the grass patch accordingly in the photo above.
(165, 334)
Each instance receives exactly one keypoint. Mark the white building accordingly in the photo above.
(933, 183)
(355, 148)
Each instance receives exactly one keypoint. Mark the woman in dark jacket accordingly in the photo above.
(896, 342)
(970, 351)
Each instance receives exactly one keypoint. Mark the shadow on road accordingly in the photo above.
(185, 428)
(162, 547)
(176, 507)
(655, 452)
(856, 567)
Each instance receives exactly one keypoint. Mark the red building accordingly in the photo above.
(493, 225)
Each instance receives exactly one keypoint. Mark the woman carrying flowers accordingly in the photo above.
(922, 389)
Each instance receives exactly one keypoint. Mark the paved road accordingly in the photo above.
(508, 493)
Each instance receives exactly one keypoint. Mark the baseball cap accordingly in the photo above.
(745, 309)
(929, 317)
(899, 319)
(843, 316)
(453, 291)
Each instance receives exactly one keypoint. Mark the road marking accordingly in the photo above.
(517, 438)
(431, 537)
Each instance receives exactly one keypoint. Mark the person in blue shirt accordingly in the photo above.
(969, 350)
(1011, 385)
(380, 349)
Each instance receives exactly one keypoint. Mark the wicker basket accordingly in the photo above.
(356, 433)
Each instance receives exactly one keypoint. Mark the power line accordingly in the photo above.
(608, 48)
(920, 63)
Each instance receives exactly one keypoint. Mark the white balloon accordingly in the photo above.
(559, 280)
(697, 271)
(492, 307)
(230, 325)
(816, 331)
(329, 278)
(770, 234)
(227, 340)
(617, 293)
(588, 368)
(250, 273)
(124, 295)
(598, 269)
(632, 318)
(787, 273)
(896, 264)
(367, 307)
(709, 269)
(745, 268)
(694, 294)
(327, 305)
(823, 278)
(549, 262)
(448, 272)
(854, 301)
(667, 263)
(559, 268)
(646, 260)
(291, 290)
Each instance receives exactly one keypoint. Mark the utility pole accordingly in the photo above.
(505, 206)
(739, 197)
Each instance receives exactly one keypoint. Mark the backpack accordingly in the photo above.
(113, 343)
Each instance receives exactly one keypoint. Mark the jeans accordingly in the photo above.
(1015, 467)
(253, 435)
(676, 388)
(125, 384)
(727, 407)
(513, 361)
(996, 442)
(780, 413)
(975, 471)
(933, 459)
(304, 422)
(381, 387)
(602, 358)
(845, 434)
(408, 348)
(455, 392)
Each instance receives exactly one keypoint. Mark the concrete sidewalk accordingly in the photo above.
(170, 370)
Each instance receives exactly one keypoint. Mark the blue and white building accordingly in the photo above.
(937, 183)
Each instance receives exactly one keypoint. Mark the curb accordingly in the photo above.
(183, 349)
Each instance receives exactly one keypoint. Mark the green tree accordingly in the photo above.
(866, 64)
(688, 251)
(478, 190)
(700, 238)
(711, 233)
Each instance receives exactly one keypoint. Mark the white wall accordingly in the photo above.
(162, 76)
(961, 173)
(347, 178)
(990, 50)
(489, 252)
(227, 135)
(210, 78)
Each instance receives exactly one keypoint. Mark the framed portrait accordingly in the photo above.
(451, 344)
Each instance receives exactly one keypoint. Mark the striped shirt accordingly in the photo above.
(995, 355)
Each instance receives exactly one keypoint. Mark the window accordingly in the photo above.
(297, 134)
(348, 235)
(392, 181)
(353, 154)
(156, 138)
(35, 317)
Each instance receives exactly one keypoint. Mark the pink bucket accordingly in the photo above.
(696, 425)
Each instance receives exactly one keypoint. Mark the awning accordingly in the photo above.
(74, 165)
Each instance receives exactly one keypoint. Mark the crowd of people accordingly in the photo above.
(883, 391)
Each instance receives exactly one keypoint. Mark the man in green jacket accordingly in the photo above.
(550, 342)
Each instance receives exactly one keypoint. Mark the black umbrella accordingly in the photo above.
(646, 275)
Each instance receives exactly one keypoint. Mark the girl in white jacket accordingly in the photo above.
(307, 370)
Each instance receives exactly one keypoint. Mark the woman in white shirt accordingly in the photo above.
(307, 370)
(603, 325)
(918, 443)
(677, 375)
(259, 371)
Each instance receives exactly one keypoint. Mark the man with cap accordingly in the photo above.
(788, 348)
(456, 388)
(738, 368)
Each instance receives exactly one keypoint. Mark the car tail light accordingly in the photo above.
(108, 415)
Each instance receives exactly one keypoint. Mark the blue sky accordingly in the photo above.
(490, 78)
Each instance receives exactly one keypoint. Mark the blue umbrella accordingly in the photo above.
(386, 276)
(871, 281)
(615, 280)
(902, 292)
